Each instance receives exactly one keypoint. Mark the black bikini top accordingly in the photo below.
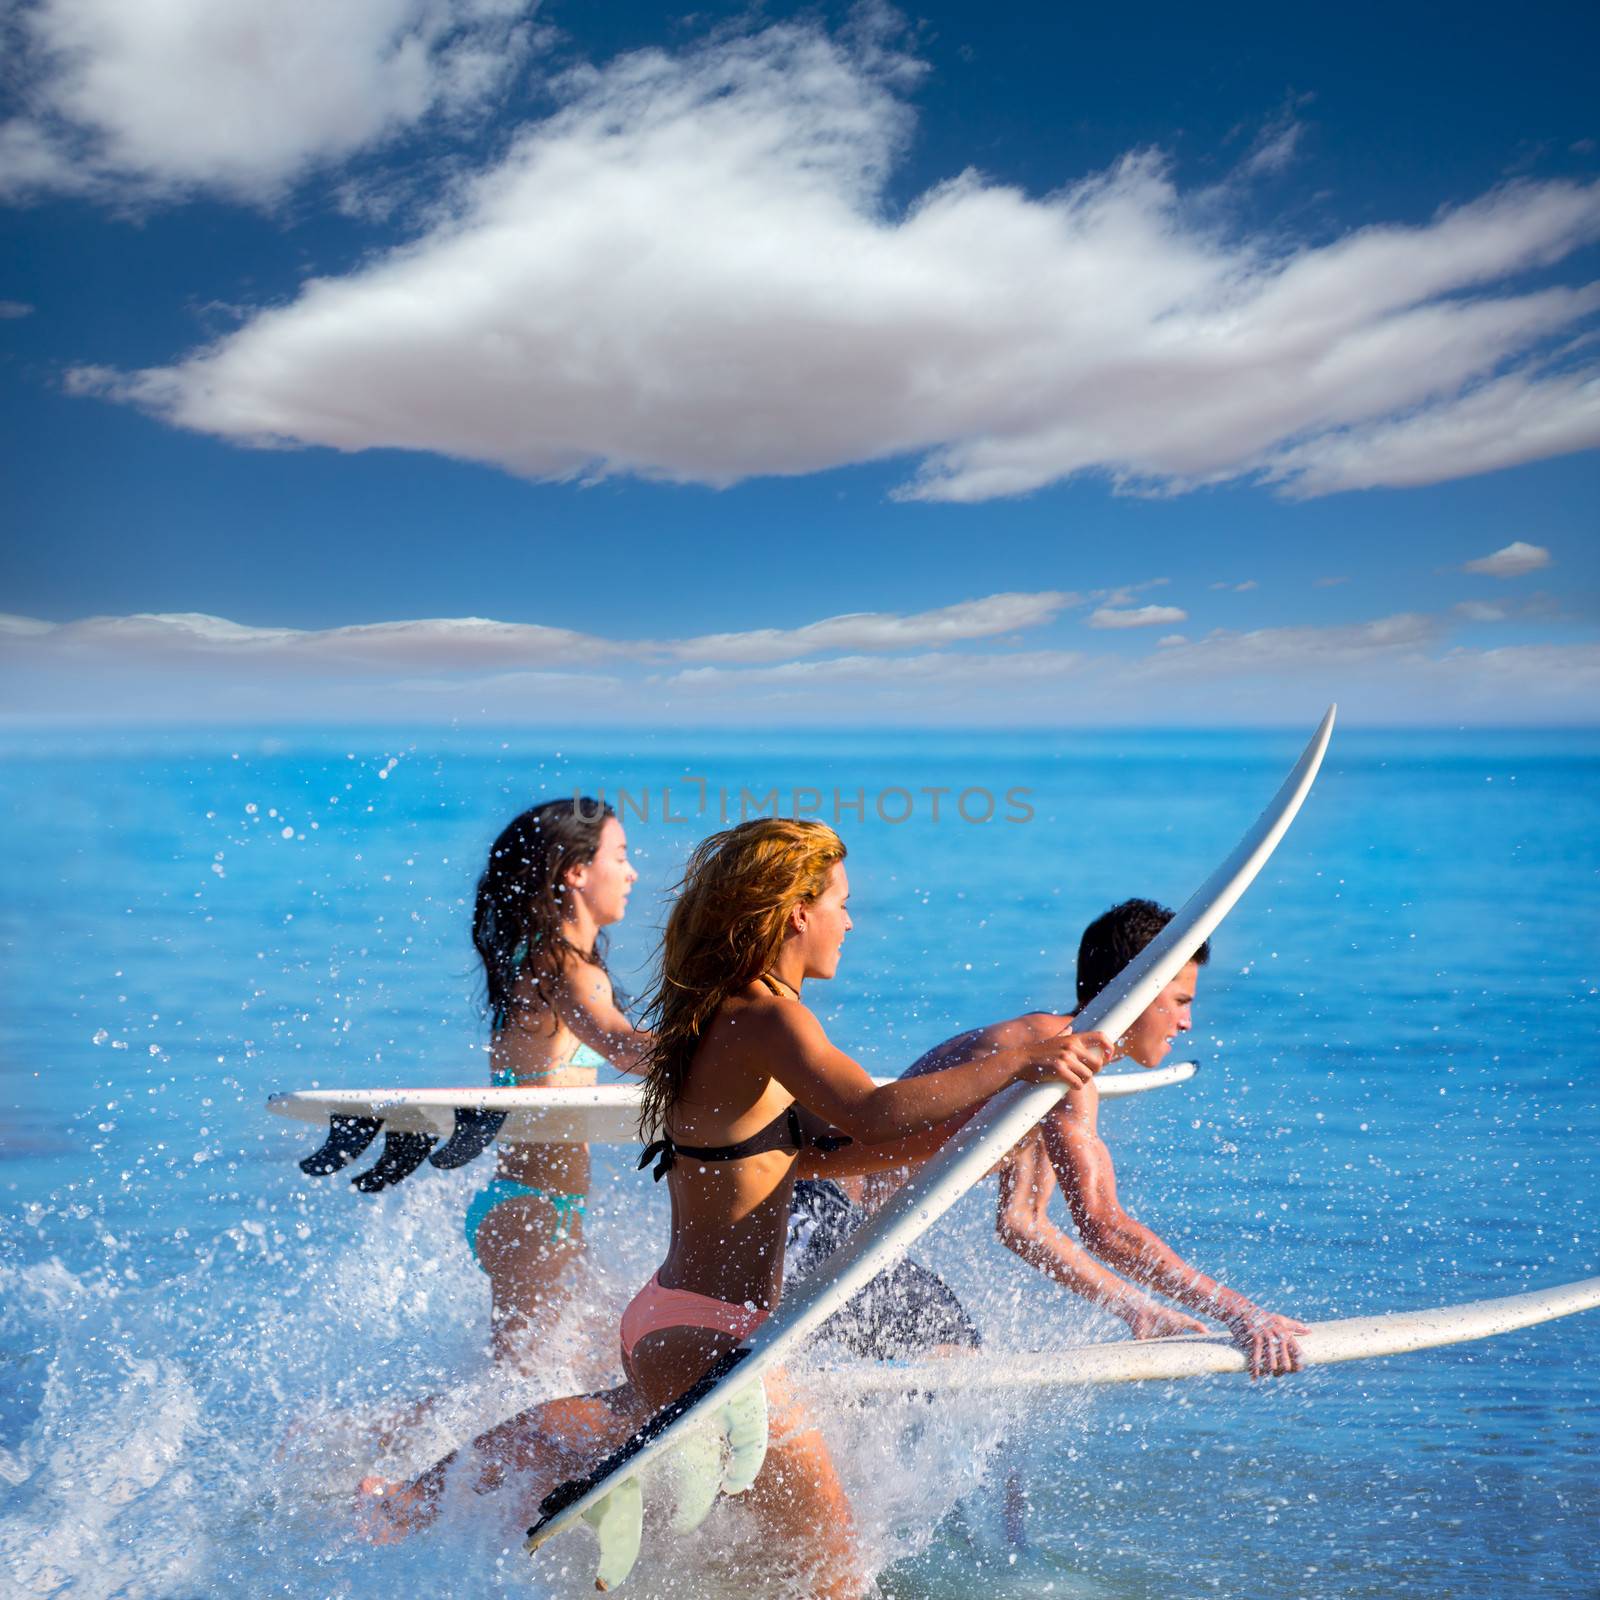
(784, 1132)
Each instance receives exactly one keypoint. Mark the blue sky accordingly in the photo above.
(1167, 369)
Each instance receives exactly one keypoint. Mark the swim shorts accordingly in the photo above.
(905, 1311)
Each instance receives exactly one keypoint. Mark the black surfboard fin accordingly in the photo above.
(473, 1133)
(402, 1154)
(347, 1138)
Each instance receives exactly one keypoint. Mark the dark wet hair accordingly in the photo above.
(1115, 937)
(522, 896)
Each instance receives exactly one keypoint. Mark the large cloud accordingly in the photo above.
(194, 641)
(240, 96)
(690, 272)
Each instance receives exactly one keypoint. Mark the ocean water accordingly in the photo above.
(1398, 1107)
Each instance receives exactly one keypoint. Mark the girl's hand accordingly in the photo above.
(1068, 1058)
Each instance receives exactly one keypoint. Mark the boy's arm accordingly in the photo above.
(1023, 1223)
(1088, 1180)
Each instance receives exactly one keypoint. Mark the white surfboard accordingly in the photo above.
(937, 1185)
(1197, 1355)
(606, 1113)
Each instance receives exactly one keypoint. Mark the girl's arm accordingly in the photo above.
(854, 1159)
(588, 1006)
(789, 1041)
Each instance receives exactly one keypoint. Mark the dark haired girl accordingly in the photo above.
(557, 876)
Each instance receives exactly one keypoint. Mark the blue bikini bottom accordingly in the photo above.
(566, 1206)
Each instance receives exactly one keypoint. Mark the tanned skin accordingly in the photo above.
(1120, 1263)
(761, 1054)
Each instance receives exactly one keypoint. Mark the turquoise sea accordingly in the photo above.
(1398, 1107)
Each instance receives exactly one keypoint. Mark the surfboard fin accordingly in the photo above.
(696, 1471)
(473, 1133)
(402, 1154)
(745, 1419)
(725, 1459)
(347, 1138)
(701, 1477)
(618, 1522)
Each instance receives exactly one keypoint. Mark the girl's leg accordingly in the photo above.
(802, 1503)
(544, 1446)
(530, 1252)
(798, 1495)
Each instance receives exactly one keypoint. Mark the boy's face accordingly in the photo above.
(1149, 1040)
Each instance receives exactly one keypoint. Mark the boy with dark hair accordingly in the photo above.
(1115, 937)
(892, 1314)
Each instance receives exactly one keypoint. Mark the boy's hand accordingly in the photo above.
(1267, 1339)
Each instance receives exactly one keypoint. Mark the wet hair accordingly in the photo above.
(1115, 937)
(725, 928)
(522, 897)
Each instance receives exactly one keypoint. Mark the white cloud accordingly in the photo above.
(1397, 669)
(476, 644)
(1274, 148)
(691, 272)
(239, 96)
(1123, 594)
(32, 162)
(180, 638)
(1512, 561)
(1480, 611)
(1502, 423)
(868, 630)
(1269, 653)
(883, 669)
(1136, 617)
(10, 310)
(1519, 679)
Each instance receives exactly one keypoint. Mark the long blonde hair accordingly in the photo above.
(730, 917)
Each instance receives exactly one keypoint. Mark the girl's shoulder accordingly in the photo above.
(756, 1020)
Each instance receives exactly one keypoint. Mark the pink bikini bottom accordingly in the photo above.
(655, 1308)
